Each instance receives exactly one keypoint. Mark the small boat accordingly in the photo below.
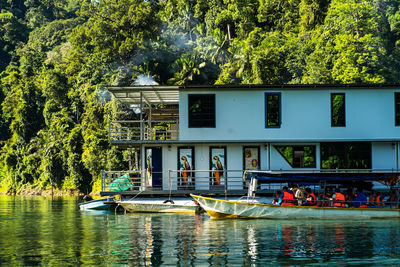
(98, 204)
(160, 205)
(251, 208)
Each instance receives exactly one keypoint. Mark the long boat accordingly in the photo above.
(251, 208)
(160, 205)
(224, 209)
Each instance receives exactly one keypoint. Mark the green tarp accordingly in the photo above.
(122, 183)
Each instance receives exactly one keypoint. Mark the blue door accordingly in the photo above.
(156, 164)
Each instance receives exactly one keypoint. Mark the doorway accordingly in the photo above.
(154, 166)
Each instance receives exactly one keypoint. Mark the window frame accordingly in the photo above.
(191, 123)
(296, 148)
(266, 109)
(396, 109)
(344, 110)
(343, 148)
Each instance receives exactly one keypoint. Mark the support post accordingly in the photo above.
(141, 118)
(130, 158)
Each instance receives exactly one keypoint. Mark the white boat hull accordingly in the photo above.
(177, 206)
(97, 204)
(217, 208)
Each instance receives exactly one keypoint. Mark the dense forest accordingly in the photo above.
(57, 55)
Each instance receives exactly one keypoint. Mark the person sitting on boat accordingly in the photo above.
(348, 196)
(372, 199)
(394, 197)
(360, 199)
(277, 200)
(299, 194)
(311, 199)
(287, 197)
(380, 197)
(338, 199)
(324, 198)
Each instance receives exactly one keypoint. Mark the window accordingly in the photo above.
(251, 158)
(397, 108)
(202, 111)
(346, 155)
(298, 156)
(338, 111)
(272, 110)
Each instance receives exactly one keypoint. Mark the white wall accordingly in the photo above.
(234, 159)
(240, 115)
(384, 155)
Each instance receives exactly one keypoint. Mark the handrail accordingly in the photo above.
(205, 179)
(135, 130)
(198, 179)
(136, 180)
(349, 203)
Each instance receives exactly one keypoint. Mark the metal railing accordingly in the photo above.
(143, 130)
(173, 180)
(343, 204)
(205, 180)
(123, 181)
(309, 171)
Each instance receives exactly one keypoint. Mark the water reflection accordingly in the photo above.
(40, 231)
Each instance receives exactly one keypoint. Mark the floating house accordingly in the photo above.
(202, 138)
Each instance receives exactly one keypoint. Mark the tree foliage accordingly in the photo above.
(56, 56)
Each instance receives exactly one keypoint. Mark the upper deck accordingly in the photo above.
(299, 113)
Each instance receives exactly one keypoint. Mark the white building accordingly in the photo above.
(220, 131)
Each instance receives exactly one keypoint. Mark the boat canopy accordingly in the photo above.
(333, 177)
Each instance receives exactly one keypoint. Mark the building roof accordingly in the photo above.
(160, 94)
(132, 95)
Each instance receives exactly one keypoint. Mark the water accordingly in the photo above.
(40, 231)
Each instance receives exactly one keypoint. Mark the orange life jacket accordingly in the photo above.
(313, 201)
(288, 199)
(339, 200)
(379, 201)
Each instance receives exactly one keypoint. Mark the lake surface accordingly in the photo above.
(41, 231)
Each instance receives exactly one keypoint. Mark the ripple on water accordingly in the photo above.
(42, 231)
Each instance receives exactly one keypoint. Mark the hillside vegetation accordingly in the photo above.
(57, 55)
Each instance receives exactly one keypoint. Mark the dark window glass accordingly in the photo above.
(298, 156)
(338, 111)
(201, 111)
(346, 155)
(397, 108)
(273, 110)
